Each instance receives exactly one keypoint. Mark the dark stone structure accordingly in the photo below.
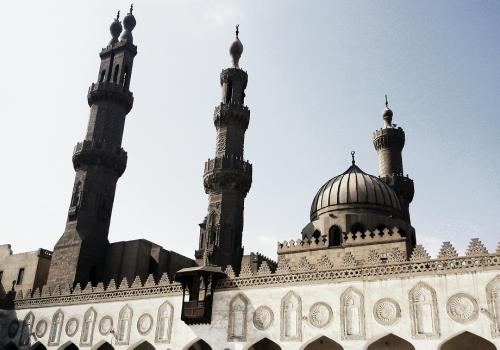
(227, 178)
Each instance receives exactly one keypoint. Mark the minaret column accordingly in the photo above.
(227, 177)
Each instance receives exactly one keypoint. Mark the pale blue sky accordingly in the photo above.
(318, 72)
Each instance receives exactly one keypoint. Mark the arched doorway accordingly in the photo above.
(142, 345)
(103, 345)
(38, 346)
(467, 341)
(323, 343)
(391, 342)
(265, 344)
(68, 346)
(200, 345)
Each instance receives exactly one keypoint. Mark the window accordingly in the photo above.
(20, 276)
(335, 236)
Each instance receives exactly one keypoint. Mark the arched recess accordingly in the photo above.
(102, 345)
(38, 346)
(390, 342)
(142, 345)
(323, 343)
(200, 344)
(68, 346)
(467, 341)
(10, 346)
(265, 344)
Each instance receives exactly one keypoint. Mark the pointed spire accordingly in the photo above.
(387, 114)
(236, 48)
(352, 155)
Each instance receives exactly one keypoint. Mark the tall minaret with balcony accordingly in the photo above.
(389, 142)
(98, 161)
(227, 178)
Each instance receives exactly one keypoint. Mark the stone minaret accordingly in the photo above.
(389, 142)
(98, 161)
(227, 178)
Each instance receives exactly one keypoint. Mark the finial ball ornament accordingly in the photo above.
(129, 22)
(115, 28)
(236, 49)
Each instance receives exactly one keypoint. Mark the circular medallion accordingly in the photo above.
(105, 325)
(71, 327)
(320, 314)
(41, 328)
(386, 311)
(144, 324)
(263, 317)
(13, 328)
(462, 308)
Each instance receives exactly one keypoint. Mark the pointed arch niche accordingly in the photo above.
(142, 345)
(26, 329)
(291, 317)
(424, 311)
(323, 343)
(56, 328)
(493, 298)
(103, 345)
(352, 314)
(391, 342)
(265, 344)
(467, 341)
(237, 326)
(164, 323)
(88, 327)
(124, 323)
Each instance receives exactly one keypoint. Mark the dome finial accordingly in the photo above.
(129, 25)
(131, 8)
(387, 114)
(236, 48)
(352, 155)
(115, 28)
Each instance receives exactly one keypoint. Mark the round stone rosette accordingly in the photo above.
(71, 327)
(144, 324)
(320, 314)
(462, 308)
(263, 317)
(105, 325)
(386, 311)
(41, 328)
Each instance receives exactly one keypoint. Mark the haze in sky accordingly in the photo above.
(318, 72)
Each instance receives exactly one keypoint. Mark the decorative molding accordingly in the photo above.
(230, 272)
(352, 314)
(462, 308)
(303, 265)
(320, 314)
(291, 317)
(41, 328)
(246, 271)
(263, 317)
(237, 325)
(424, 312)
(56, 328)
(123, 325)
(476, 248)
(105, 325)
(324, 263)
(164, 323)
(349, 260)
(386, 311)
(145, 324)
(88, 325)
(71, 327)
(493, 299)
(264, 269)
(419, 254)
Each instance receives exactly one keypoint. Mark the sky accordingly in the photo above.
(318, 72)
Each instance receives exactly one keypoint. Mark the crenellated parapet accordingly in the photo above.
(96, 153)
(389, 137)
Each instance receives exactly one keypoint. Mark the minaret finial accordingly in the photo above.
(118, 15)
(236, 48)
(352, 155)
(237, 30)
(131, 8)
(386, 102)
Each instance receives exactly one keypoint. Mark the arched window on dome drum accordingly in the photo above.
(335, 236)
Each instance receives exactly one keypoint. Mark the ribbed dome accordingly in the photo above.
(352, 190)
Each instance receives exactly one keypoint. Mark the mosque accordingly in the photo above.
(355, 279)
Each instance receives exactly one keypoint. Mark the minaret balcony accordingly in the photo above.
(231, 113)
(227, 173)
(389, 137)
(96, 153)
(108, 91)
